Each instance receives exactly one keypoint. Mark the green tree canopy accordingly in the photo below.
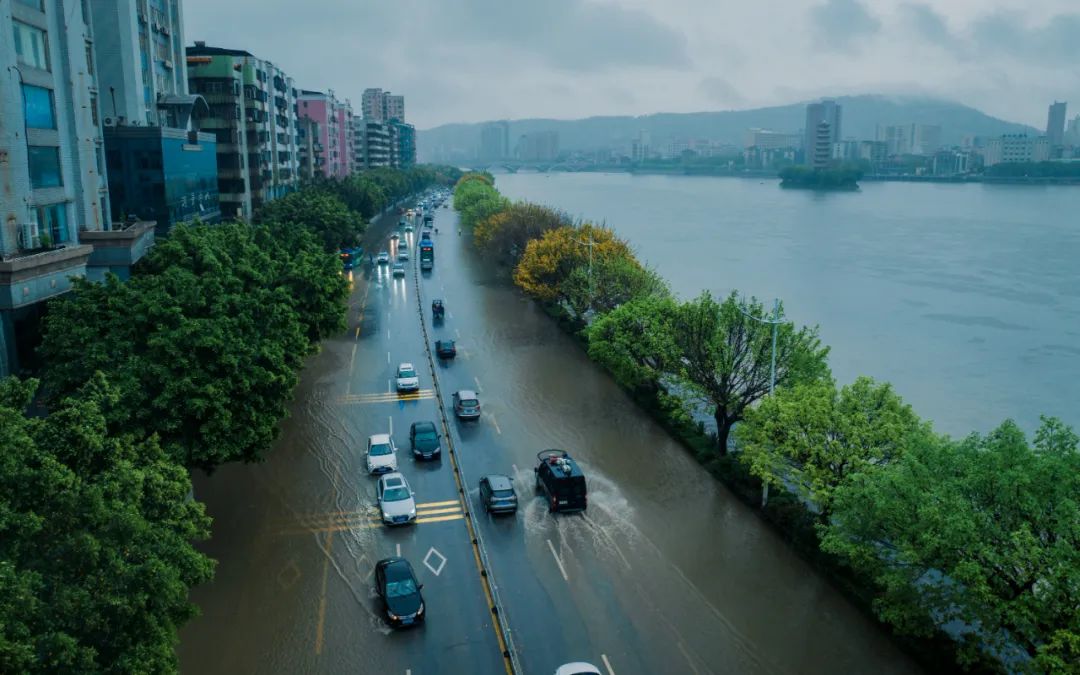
(323, 213)
(815, 436)
(636, 341)
(503, 236)
(204, 344)
(612, 281)
(726, 355)
(984, 531)
(96, 558)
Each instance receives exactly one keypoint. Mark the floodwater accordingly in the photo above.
(666, 572)
(965, 297)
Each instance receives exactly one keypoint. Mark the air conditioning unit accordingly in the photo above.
(109, 122)
(167, 63)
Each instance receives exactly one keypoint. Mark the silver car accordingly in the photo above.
(396, 501)
(407, 380)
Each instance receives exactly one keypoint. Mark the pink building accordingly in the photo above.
(334, 122)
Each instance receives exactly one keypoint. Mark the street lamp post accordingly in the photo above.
(775, 322)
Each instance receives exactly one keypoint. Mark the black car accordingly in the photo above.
(560, 478)
(400, 592)
(497, 494)
(445, 349)
(424, 439)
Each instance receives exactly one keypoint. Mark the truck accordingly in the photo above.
(427, 255)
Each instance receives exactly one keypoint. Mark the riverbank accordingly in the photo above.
(774, 175)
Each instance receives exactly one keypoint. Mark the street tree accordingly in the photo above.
(726, 356)
(815, 437)
(321, 212)
(503, 236)
(983, 532)
(96, 531)
(548, 262)
(636, 342)
(611, 281)
(485, 206)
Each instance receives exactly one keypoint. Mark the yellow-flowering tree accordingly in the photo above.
(548, 262)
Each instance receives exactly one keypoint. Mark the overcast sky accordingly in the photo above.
(473, 60)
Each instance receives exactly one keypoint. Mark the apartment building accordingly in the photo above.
(252, 113)
(333, 124)
(382, 106)
(54, 200)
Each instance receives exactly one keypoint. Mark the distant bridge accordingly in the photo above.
(513, 166)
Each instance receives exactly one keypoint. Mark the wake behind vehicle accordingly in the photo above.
(561, 481)
(399, 591)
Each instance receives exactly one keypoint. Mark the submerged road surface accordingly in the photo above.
(665, 573)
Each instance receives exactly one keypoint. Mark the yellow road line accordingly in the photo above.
(441, 519)
(322, 594)
(446, 503)
(434, 512)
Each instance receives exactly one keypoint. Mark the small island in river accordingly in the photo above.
(832, 178)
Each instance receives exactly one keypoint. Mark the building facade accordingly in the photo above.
(910, 139)
(371, 144)
(495, 141)
(382, 106)
(1012, 148)
(54, 203)
(252, 114)
(540, 146)
(1055, 124)
(406, 145)
(766, 139)
(826, 112)
(334, 121)
(311, 148)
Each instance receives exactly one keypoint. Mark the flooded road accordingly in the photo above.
(665, 573)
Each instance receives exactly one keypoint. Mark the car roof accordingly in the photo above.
(375, 439)
(444, 342)
(395, 568)
(547, 457)
(423, 426)
(497, 481)
(405, 365)
(466, 393)
(396, 476)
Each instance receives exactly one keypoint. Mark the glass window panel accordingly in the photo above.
(52, 219)
(30, 45)
(38, 107)
(36, 4)
(44, 166)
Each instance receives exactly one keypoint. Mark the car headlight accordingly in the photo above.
(421, 610)
(393, 617)
(412, 514)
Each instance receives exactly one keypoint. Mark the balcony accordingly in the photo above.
(117, 250)
(32, 277)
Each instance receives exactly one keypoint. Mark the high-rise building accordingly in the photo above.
(252, 112)
(910, 139)
(55, 201)
(1055, 124)
(1072, 132)
(641, 147)
(540, 146)
(495, 140)
(160, 167)
(766, 139)
(382, 106)
(371, 144)
(335, 130)
(828, 112)
(311, 148)
(821, 156)
(406, 145)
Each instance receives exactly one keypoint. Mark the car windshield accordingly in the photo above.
(381, 449)
(400, 589)
(502, 494)
(470, 402)
(426, 436)
(406, 372)
(396, 494)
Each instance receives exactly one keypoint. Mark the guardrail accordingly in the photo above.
(506, 638)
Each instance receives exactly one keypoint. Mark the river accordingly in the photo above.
(965, 297)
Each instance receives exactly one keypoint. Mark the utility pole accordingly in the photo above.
(591, 243)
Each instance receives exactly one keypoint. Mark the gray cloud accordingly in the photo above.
(841, 23)
(927, 23)
(1055, 42)
(720, 91)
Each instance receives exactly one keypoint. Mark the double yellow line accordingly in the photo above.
(370, 518)
(389, 397)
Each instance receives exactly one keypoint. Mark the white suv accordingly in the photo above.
(381, 454)
(407, 379)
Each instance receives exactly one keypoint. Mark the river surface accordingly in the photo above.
(965, 297)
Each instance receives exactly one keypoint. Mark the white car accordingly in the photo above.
(407, 379)
(384, 257)
(381, 454)
(396, 503)
(579, 668)
(398, 270)
(402, 253)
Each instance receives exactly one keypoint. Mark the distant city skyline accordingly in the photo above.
(478, 61)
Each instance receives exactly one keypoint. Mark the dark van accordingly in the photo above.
(561, 481)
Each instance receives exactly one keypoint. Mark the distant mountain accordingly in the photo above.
(861, 115)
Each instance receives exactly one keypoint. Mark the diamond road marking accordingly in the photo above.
(442, 561)
(288, 575)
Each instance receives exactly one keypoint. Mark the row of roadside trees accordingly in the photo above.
(981, 533)
(189, 364)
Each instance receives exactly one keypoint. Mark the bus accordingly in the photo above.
(350, 257)
(427, 254)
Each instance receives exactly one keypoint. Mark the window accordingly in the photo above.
(31, 46)
(52, 219)
(89, 58)
(36, 4)
(38, 107)
(44, 166)
(94, 109)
